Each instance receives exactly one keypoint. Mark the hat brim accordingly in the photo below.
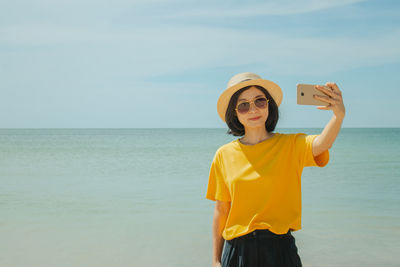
(273, 89)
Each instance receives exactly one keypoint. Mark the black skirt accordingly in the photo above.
(261, 248)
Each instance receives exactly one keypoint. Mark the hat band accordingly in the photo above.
(241, 81)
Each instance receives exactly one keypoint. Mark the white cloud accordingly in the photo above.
(248, 9)
(90, 12)
(168, 49)
(162, 49)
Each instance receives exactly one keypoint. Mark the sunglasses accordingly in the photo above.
(244, 107)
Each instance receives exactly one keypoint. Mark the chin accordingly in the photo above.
(258, 122)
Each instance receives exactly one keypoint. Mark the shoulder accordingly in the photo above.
(294, 136)
(227, 148)
(287, 136)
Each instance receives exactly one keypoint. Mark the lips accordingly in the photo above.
(255, 118)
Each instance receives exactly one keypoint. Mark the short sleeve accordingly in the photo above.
(217, 188)
(303, 148)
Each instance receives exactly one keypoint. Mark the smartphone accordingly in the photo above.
(305, 94)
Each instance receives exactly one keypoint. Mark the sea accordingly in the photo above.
(136, 197)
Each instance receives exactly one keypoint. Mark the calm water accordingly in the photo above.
(136, 197)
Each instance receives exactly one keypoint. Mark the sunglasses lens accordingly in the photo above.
(261, 102)
(243, 107)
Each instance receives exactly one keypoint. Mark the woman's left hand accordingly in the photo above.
(333, 97)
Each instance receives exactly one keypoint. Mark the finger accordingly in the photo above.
(325, 90)
(325, 99)
(324, 107)
(334, 87)
(338, 95)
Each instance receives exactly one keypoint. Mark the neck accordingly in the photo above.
(255, 137)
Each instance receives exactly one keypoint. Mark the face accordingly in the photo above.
(246, 119)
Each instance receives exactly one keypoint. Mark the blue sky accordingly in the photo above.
(150, 63)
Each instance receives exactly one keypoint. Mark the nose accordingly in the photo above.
(252, 107)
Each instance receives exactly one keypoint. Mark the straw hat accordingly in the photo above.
(244, 79)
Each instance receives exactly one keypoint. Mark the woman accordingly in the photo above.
(256, 179)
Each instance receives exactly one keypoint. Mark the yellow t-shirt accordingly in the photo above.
(262, 182)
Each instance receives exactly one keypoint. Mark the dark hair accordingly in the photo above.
(235, 127)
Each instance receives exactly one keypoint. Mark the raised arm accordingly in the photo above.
(334, 99)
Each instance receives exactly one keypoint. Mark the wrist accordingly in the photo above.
(339, 117)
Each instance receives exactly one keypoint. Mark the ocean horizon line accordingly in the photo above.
(103, 128)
